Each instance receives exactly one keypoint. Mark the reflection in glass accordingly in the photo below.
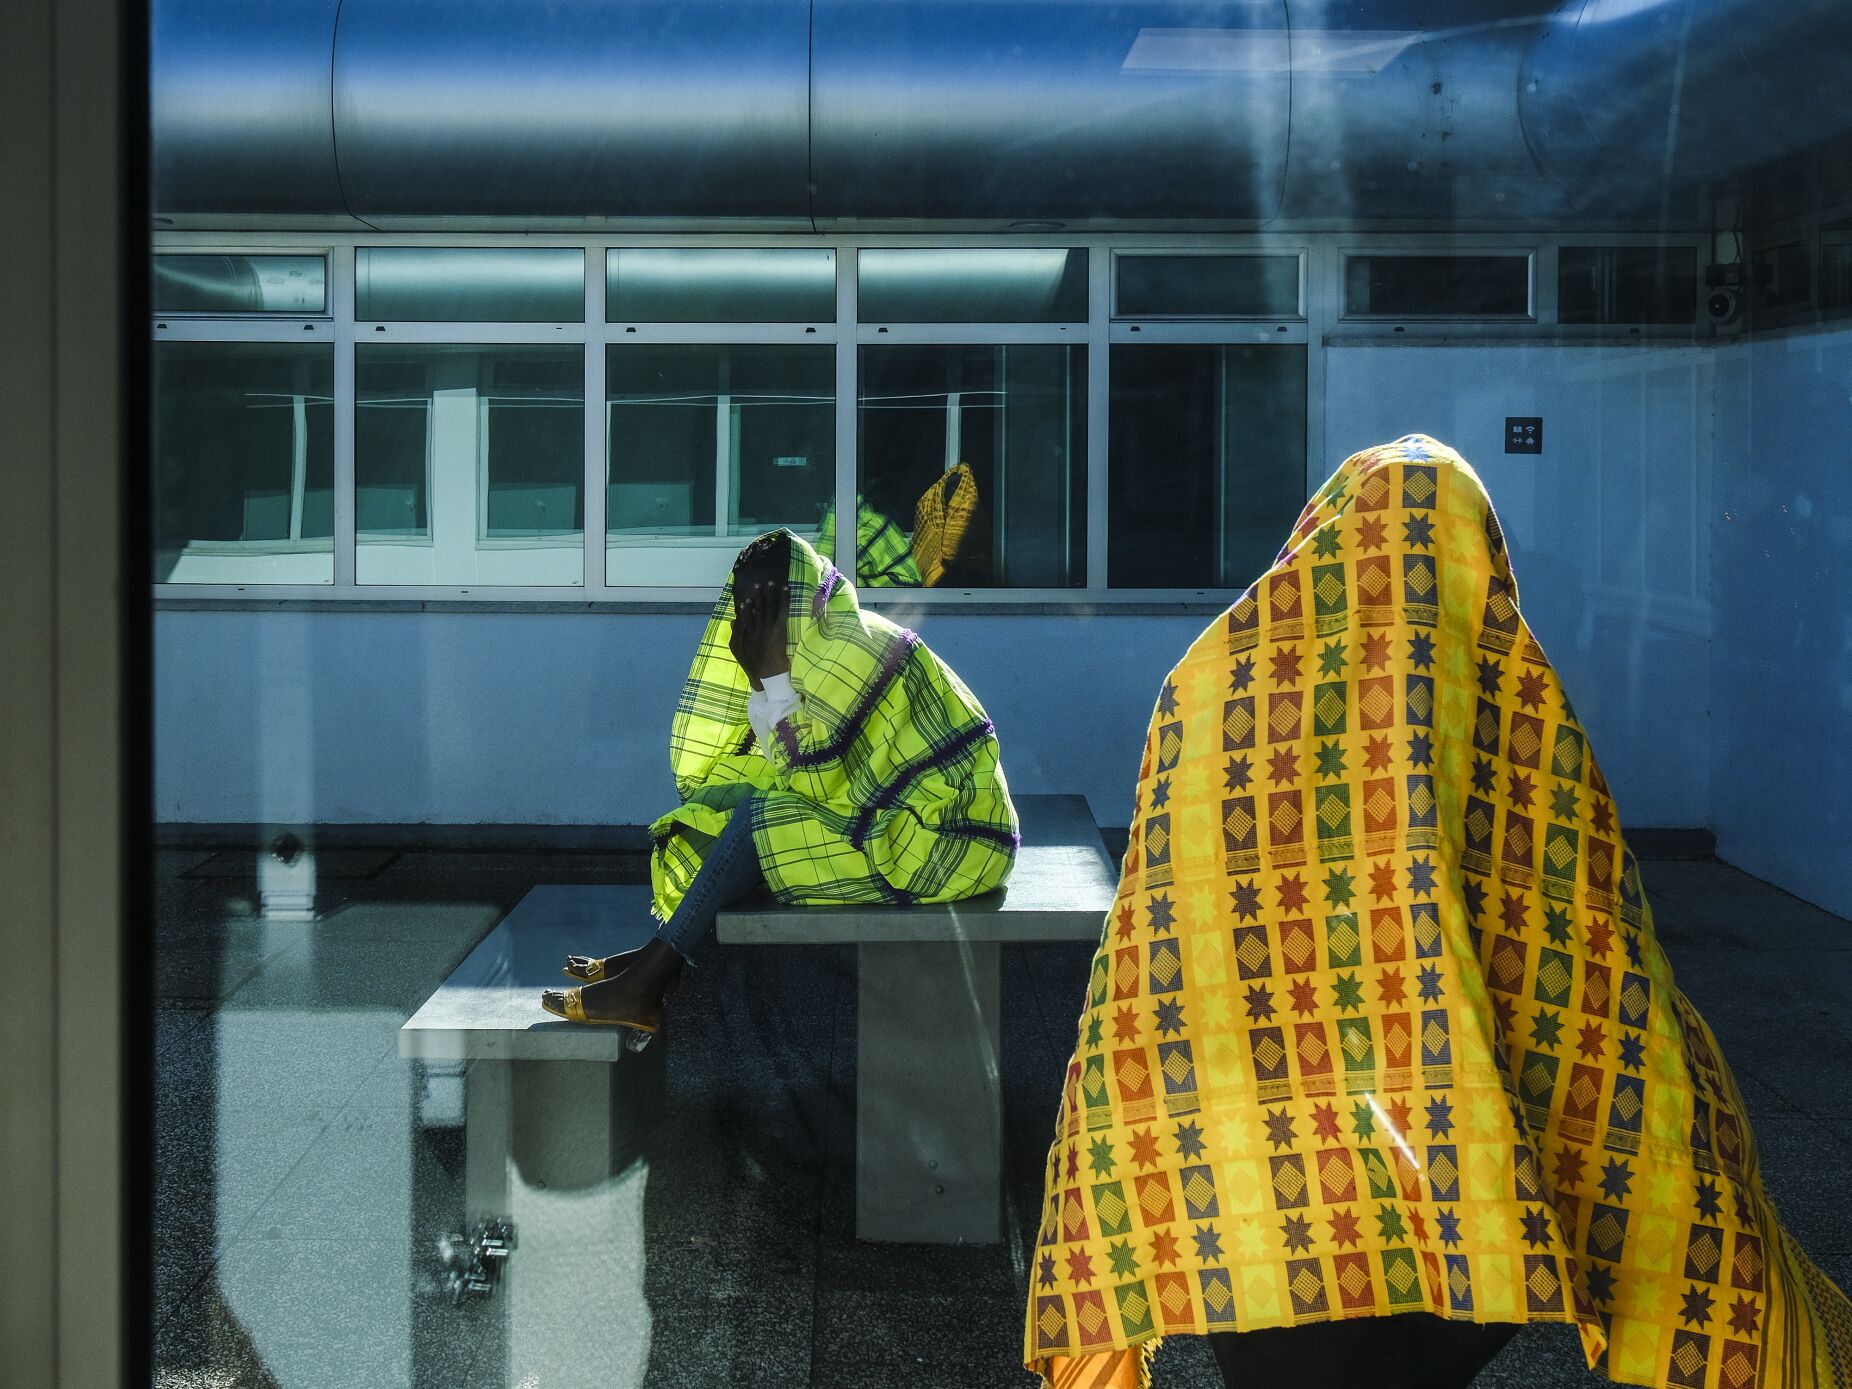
(1783, 276)
(244, 462)
(1450, 286)
(707, 443)
(883, 551)
(1208, 286)
(680, 284)
(445, 284)
(468, 464)
(1015, 416)
(1014, 285)
(1836, 265)
(1206, 462)
(1626, 284)
(240, 284)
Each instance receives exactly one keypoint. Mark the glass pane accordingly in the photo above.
(707, 444)
(1194, 504)
(243, 463)
(1406, 286)
(676, 284)
(1836, 265)
(240, 284)
(468, 464)
(469, 285)
(971, 467)
(1783, 277)
(1626, 284)
(1018, 285)
(1208, 286)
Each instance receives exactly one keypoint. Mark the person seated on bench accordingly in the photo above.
(1381, 1054)
(820, 750)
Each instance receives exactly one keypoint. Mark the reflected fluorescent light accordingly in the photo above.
(679, 267)
(1335, 52)
(1005, 268)
(899, 285)
(1610, 11)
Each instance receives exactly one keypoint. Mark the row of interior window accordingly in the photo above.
(470, 462)
(1595, 284)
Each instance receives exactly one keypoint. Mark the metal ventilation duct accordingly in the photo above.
(239, 108)
(976, 110)
(680, 110)
(1621, 98)
(837, 114)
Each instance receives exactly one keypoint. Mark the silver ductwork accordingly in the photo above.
(975, 110)
(1621, 98)
(977, 114)
(678, 110)
(239, 108)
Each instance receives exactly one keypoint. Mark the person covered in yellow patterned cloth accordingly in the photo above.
(1380, 1056)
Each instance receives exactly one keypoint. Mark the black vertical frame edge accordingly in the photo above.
(136, 736)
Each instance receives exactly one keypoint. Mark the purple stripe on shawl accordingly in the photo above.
(891, 664)
(787, 739)
(964, 742)
(832, 579)
(971, 829)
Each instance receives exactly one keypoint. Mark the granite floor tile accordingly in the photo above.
(1806, 1167)
(1769, 921)
(360, 921)
(900, 1336)
(206, 973)
(304, 1257)
(176, 1020)
(327, 973)
(369, 1173)
(317, 1314)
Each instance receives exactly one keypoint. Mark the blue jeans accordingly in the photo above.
(729, 872)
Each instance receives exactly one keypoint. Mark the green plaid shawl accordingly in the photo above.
(883, 554)
(885, 787)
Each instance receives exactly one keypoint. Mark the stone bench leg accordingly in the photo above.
(552, 1146)
(929, 1114)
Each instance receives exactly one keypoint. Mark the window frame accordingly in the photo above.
(323, 252)
(1318, 325)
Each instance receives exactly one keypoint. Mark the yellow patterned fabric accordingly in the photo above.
(1379, 1023)
(940, 522)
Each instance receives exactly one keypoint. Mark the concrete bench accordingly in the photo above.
(551, 1115)
(929, 1121)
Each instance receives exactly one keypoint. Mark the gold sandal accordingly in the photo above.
(572, 1009)
(591, 968)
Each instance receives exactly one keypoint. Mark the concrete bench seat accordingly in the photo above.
(552, 1107)
(552, 1112)
(929, 1118)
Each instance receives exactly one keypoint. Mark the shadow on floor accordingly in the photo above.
(300, 1198)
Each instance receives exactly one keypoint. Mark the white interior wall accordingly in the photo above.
(543, 718)
(1702, 629)
(1608, 526)
(1781, 712)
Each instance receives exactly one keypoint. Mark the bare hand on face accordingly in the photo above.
(758, 637)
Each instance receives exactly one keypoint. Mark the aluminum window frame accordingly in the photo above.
(440, 335)
(1549, 279)
(1296, 248)
(1358, 246)
(1318, 325)
(322, 250)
